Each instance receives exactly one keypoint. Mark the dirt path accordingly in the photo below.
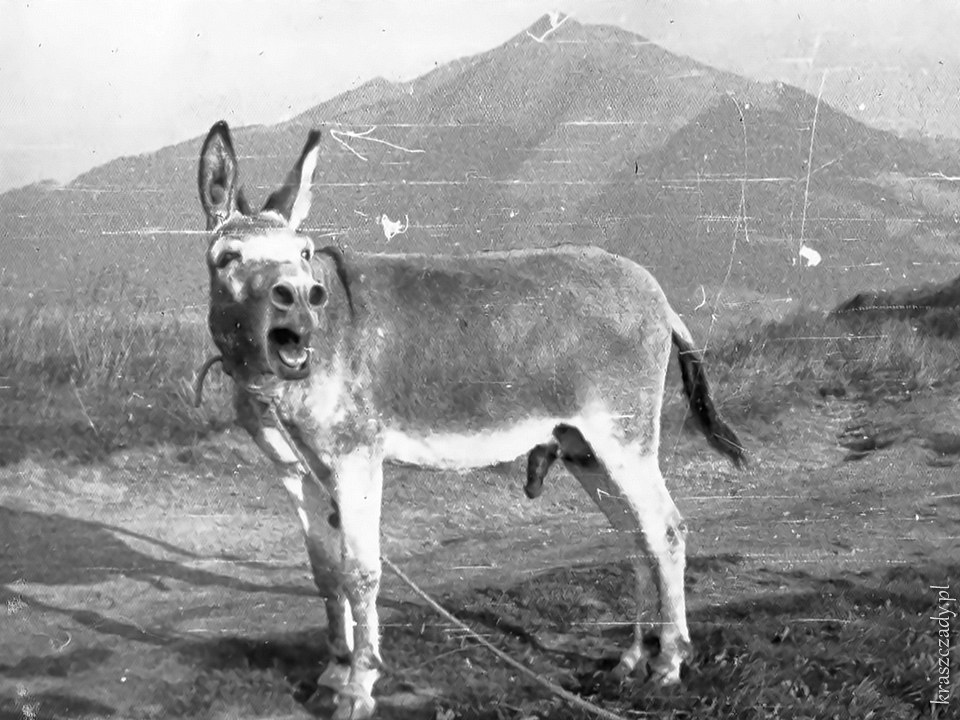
(173, 583)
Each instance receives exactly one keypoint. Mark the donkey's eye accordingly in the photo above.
(306, 254)
(226, 258)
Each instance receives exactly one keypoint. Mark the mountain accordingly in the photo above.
(890, 87)
(566, 132)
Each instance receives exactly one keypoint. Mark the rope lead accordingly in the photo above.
(201, 376)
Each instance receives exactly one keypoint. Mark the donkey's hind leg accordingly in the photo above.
(629, 488)
(542, 457)
(539, 462)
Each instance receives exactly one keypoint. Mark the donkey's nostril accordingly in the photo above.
(282, 296)
(316, 295)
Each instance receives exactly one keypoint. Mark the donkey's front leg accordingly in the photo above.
(359, 488)
(320, 521)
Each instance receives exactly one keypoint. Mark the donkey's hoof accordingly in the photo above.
(664, 674)
(663, 665)
(622, 671)
(351, 707)
(335, 676)
(666, 679)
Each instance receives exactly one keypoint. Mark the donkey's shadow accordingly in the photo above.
(54, 549)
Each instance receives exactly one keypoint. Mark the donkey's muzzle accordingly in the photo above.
(285, 295)
(293, 304)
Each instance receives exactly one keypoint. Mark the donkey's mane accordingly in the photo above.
(335, 254)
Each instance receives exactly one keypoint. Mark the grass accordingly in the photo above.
(763, 368)
(112, 370)
(857, 645)
(754, 659)
(84, 380)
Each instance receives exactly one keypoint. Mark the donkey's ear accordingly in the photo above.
(217, 177)
(292, 200)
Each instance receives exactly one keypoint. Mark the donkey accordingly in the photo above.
(445, 362)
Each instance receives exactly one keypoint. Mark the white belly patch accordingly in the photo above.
(466, 451)
(472, 450)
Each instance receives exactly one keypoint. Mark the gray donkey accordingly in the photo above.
(451, 362)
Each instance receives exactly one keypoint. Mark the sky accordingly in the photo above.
(84, 82)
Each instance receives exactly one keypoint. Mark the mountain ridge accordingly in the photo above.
(593, 135)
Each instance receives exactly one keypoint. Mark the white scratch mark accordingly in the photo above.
(365, 135)
(392, 228)
(555, 22)
(813, 133)
(473, 567)
(605, 122)
(154, 231)
(704, 301)
(811, 256)
(718, 218)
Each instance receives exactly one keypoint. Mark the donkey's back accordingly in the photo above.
(477, 342)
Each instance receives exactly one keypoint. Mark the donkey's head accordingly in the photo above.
(264, 296)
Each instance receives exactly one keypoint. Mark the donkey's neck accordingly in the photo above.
(339, 317)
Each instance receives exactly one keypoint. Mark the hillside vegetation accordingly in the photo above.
(81, 381)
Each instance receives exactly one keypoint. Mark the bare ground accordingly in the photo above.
(173, 583)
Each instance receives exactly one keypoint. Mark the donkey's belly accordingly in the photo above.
(466, 450)
(445, 448)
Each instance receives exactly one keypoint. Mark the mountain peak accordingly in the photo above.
(548, 24)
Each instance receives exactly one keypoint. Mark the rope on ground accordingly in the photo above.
(540, 680)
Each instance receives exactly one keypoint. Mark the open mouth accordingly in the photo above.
(290, 348)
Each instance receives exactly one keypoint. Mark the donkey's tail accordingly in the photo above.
(720, 435)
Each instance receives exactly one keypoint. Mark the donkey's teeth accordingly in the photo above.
(292, 357)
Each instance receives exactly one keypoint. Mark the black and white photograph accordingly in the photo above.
(479, 359)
